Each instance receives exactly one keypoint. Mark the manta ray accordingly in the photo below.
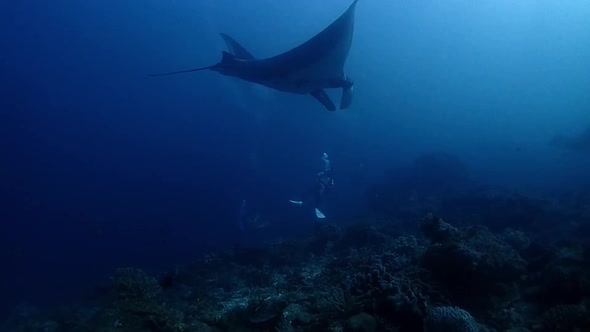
(309, 68)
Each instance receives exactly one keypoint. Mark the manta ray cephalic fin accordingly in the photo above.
(321, 96)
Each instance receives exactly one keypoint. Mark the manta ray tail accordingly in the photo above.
(183, 71)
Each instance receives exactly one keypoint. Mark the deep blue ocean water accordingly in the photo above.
(103, 166)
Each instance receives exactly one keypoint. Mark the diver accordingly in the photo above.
(323, 184)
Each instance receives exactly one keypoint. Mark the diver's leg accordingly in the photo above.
(304, 198)
(317, 200)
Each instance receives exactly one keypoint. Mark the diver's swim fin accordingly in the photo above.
(319, 214)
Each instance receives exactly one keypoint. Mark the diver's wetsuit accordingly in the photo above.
(324, 183)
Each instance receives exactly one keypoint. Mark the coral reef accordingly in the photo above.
(450, 319)
(366, 277)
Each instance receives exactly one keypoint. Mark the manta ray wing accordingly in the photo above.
(323, 56)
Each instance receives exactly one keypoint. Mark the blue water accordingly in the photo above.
(103, 166)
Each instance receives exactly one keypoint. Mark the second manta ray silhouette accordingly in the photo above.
(309, 68)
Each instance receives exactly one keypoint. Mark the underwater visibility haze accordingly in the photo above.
(427, 137)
